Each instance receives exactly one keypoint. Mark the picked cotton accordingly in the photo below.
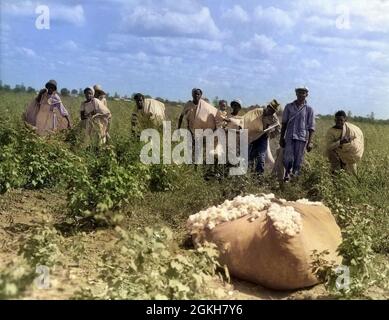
(312, 203)
(285, 219)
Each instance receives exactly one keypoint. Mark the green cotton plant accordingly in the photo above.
(149, 265)
(33, 162)
(15, 277)
(42, 246)
(104, 186)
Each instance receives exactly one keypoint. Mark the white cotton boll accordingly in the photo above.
(312, 203)
(285, 219)
(210, 225)
(229, 210)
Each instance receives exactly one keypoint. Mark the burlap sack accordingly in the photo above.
(252, 121)
(257, 252)
(352, 152)
(31, 112)
(155, 109)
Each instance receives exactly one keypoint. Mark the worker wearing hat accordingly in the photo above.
(298, 126)
(258, 149)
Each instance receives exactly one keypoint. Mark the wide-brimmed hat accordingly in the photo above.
(274, 104)
(302, 88)
(98, 88)
(51, 83)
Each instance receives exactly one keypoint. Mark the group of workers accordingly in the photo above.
(344, 141)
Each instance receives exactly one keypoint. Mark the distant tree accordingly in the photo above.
(19, 88)
(30, 90)
(215, 101)
(349, 114)
(74, 92)
(7, 87)
(65, 92)
(80, 92)
(371, 116)
(116, 95)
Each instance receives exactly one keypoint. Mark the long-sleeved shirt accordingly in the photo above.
(298, 123)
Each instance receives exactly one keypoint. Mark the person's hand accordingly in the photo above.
(309, 146)
(345, 140)
(282, 142)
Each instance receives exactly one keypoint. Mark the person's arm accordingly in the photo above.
(285, 120)
(311, 128)
(68, 120)
(40, 94)
(282, 137)
(180, 120)
(310, 137)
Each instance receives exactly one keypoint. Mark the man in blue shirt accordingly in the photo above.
(298, 126)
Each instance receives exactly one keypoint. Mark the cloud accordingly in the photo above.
(70, 14)
(236, 13)
(57, 12)
(70, 46)
(147, 21)
(26, 51)
(368, 16)
(339, 42)
(378, 58)
(259, 43)
(311, 64)
(274, 16)
(318, 22)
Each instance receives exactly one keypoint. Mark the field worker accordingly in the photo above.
(102, 96)
(223, 108)
(344, 144)
(95, 117)
(200, 114)
(234, 122)
(147, 110)
(46, 113)
(259, 148)
(298, 126)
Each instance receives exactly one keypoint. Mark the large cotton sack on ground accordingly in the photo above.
(258, 252)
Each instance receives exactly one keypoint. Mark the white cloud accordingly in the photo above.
(338, 42)
(259, 43)
(311, 64)
(71, 14)
(26, 51)
(147, 21)
(236, 13)
(318, 22)
(369, 16)
(274, 16)
(70, 46)
(58, 12)
(378, 58)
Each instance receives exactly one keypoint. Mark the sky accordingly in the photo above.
(251, 50)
